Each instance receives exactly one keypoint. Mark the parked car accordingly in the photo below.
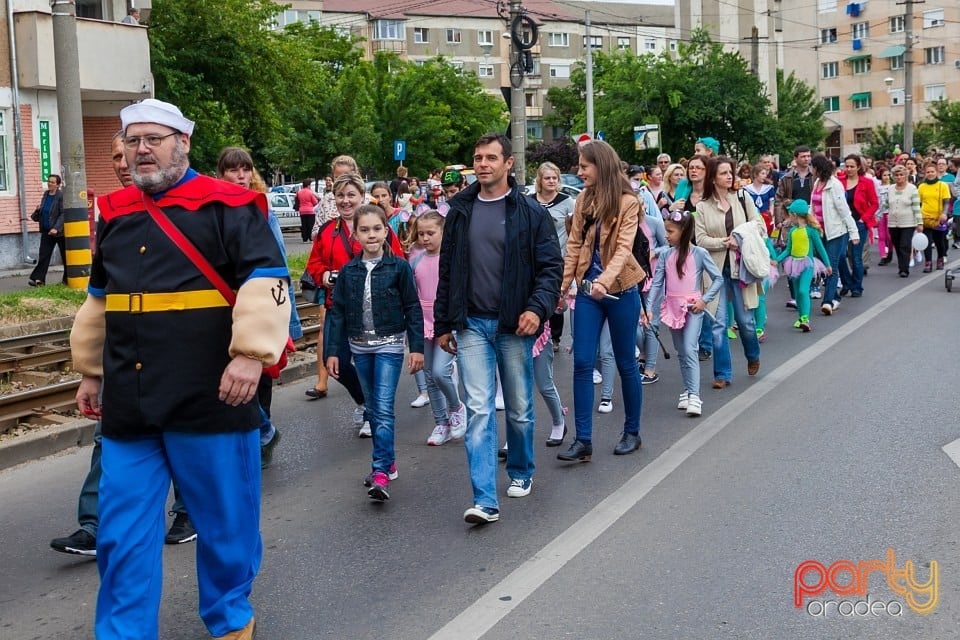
(281, 205)
(572, 180)
(573, 192)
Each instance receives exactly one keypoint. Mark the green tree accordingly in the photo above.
(886, 139)
(946, 118)
(799, 115)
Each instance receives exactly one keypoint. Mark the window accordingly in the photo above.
(649, 44)
(934, 92)
(421, 35)
(828, 35)
(90, 9)
(534, 130)
(831, 103)
(934, 55)
(673, 45)
(485, 71)
(830, 69)
(862, 136)
(559, 71)
(896, 62)
(897, 97)
(290, 17)
(4, 184)
(826, 6)
(558, 39)
(530, 99)
(454, 36)
(313, 16)
(596, 42)
(897, 24)
(933, 18)
(623, 44)
(860, 30)
(536, 66)
(457, 66)
(485, 37)
(861, 66)
(861, 101)
(388, 30)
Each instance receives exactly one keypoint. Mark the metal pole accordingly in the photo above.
(76, 228)
(518, 105)
(908, 80)
(755, 51)
(18, 139)
(589, 65)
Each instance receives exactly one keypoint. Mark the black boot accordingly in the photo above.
(629, 442)
(578, 452)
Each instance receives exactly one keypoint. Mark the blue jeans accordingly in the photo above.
(481, 351)
(543, 378)
(686, 342)
(608, 363)
(851, 274)
(219, 475)
(622, 316)
(837, 252)
(722, 360)
(379, 374)
(441, 387)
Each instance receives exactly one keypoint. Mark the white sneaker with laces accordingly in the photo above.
(684, 399)
(816, 294)
(597, 378)
(519, 488)
(441, 434)
(458, 423)
(694, 405)
(606, 406)
(421, 400)
(365, 431)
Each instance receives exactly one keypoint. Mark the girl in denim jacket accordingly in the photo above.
(375, 302)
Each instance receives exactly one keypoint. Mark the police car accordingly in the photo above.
(281, 205)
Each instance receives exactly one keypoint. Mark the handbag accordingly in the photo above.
(35, 216)
(308, 287)
(201, 263)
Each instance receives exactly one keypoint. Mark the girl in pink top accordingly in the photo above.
(304, 202)
(449, 414)
(676, 296)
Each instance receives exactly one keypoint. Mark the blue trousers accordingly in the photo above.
(837, 252)
(219, 477)
(379, 374)
(686, 342)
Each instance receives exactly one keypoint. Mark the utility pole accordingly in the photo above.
(908, 78)
(518, 105)
(589, 61)
(755, 51)
(76, 228)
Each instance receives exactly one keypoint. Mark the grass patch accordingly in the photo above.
(297, 263)
(39, 304)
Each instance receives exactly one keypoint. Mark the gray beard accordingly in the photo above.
(163, 179)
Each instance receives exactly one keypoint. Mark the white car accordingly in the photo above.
(281, 205)
(573, 192)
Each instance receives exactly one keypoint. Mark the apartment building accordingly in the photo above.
(476, 39)
(114, 71)
(746, 27)
(854, 54)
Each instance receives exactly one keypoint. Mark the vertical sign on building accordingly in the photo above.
(45, 161)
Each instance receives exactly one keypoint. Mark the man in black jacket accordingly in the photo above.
(500, 272)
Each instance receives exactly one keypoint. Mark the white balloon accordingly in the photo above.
(920, 241)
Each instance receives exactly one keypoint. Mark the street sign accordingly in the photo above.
(400, 150)
(646, 137)
(601, 135)
(45, 153)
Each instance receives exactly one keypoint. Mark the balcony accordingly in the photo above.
(535, 112)
(398, 47)
(114, 57)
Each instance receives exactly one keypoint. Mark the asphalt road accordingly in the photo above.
(832, 453)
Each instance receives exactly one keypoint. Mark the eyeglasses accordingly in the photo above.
(152, 141)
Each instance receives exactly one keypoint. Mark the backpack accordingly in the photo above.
(641, 249)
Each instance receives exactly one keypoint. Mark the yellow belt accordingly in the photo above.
(173, 301)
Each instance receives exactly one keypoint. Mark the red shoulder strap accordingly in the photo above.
(189, 250)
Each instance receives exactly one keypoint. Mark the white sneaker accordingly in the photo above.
(597, 378)
(835, 304)
(694, 406)
(358, 416)
(421, 400)
(365, 431)
(519, 488)
(826, 309)
(816, 294)
(606, 406)
(498, 402)
(441, 434)
(458, 422)
(682, 403)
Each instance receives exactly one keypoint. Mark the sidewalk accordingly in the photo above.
(16, 279)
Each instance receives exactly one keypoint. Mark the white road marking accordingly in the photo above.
(953, 450)
(481, 616)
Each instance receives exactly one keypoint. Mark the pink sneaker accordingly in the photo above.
(378, 486)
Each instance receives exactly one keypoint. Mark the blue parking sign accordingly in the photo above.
(400, 150)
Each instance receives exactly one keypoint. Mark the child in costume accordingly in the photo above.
(803, 258)
(676, 297)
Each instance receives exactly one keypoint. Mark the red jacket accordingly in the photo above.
(332, 249)
(865, 199)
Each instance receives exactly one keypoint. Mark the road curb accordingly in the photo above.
(78, 432)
